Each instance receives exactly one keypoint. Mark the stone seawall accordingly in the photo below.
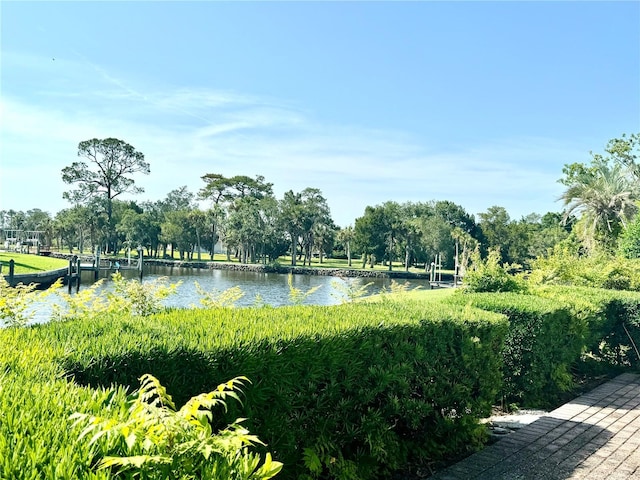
(259, 268)
(41, 279)
(84, 257)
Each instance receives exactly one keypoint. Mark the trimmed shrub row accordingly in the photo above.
(543, 342)
(354, 391)
(350, 391)
(553, 330)
(612, 318)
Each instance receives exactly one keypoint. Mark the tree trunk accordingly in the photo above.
(294, 249)
(406, 258)
(213, 240)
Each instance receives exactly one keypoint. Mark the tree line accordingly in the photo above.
(244, 216)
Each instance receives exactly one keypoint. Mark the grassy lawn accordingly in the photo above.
(423, 294)
(356, 264)
(25, 263)
(419, 294)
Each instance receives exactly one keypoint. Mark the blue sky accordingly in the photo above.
(480, 103)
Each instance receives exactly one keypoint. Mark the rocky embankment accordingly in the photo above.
(275, 268)
(260, 268)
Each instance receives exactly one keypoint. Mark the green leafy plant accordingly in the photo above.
(629, 240)
(155, 440)
(564, 266)
(87, 303)
(258, 301)
(296, 295)
(491, 276)
(129, 297)
(137, 298)
(368, 388)
(394, 291)
(350, 291)
(543, 343)
(396, 287)
(613, 320)
(214, 299)
(15, 302)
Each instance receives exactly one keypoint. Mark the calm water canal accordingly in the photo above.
(272, 288)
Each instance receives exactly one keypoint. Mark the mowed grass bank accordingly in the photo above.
(26, 263)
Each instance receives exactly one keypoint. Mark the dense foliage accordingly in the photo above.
(566, 266)
(490, 275)
(330, 382)
(350, 391)
(543, 342)
(354, 391)
(612, 319)
(156, 440)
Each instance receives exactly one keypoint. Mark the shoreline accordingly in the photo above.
(43, 279)
(284, 269)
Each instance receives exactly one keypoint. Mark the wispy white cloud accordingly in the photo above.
(185, 133)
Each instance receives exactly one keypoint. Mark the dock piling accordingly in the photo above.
(12, 267)
(73, 274)
(78, 270)
(96, 272)
(140, 262)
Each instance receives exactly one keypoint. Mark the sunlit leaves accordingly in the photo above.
(349, 291)
(214, 299)
(158, 441)
(296, 295)
(128, 297)
(15, 302)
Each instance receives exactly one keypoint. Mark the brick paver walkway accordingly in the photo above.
(595, 436)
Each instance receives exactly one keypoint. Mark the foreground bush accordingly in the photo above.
(15, 302)
(565, 266)
(490, 275)
(352, 391)
(544, 340)
(612, 318)
(38, 439)
(155, 440)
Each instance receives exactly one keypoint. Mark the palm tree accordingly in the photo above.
(603, 195)
(346, 236)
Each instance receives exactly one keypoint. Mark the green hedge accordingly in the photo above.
(36, 441)
(612, 317)
(351, 391)
(545, 339)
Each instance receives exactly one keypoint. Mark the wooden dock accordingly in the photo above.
(76, 267)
